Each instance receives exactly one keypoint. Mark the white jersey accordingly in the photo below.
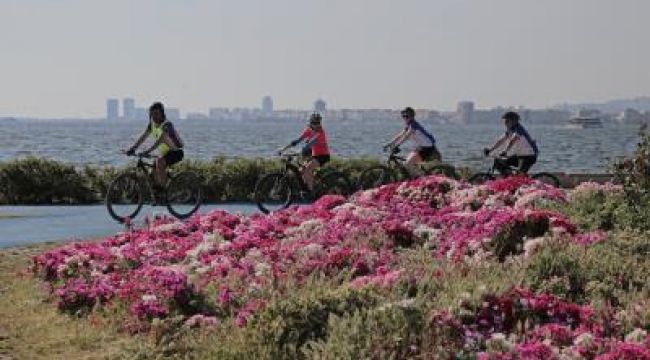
(524, 146)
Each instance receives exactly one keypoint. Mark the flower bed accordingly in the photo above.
(220, 266)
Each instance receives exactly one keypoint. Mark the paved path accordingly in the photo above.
(33, 224)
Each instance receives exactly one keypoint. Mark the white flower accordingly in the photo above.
(637, 336)
(584, 340)
(499, 343)
(149, 298)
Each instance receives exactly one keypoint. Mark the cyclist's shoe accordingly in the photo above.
(486, 152)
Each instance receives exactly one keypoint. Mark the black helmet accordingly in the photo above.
(511, 116)
(408, 111)
(315, 119)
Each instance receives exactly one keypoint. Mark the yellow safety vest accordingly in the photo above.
(156, 132)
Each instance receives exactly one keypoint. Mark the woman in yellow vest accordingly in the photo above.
(167, 141)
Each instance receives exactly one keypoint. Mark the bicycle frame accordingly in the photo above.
(290, 166)
(397, 162)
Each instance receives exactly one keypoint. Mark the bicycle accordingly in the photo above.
(395, 170)
(493, 173)
(182, 194)
(278, 190)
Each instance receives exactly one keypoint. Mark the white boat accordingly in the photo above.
(587, 119)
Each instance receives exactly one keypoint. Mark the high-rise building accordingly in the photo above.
(112, 109)
(465, 111)
(267, 106)
(320, 106)
(128, 106)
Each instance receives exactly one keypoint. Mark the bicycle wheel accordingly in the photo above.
(375, 176)
(547, 178)
(124, 197)
(441, 169)
(333, 183)
(480, 178)
(184, 194)
(273, 192)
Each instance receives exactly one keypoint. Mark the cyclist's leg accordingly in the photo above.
(164, 162)
(525, 163)
(308, 173)
(504, 165)
(160, 172)
(411, 164)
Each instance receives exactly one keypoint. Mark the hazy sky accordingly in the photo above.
(65, 57)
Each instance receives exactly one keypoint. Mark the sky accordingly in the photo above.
(64, 58)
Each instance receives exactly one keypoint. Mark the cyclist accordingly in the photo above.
(524, 148)
(425, 144)
(315, 145)
(166, 140)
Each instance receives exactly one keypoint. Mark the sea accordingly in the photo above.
(563, 148)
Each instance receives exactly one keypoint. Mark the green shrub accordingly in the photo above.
(392, 331)
(604, 271)
(40, 181)
(287, 325)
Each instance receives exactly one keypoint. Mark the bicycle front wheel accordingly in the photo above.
(184, 194)
(333, 183)
(124, 197)
(547, 178)
(480, 178)
(273, 192)
(375, 176)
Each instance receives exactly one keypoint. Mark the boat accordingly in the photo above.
(587, 119)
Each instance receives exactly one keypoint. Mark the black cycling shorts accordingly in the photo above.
(322, 159)
(173, 156)
(429, 153)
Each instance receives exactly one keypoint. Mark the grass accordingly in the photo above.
(32, 328)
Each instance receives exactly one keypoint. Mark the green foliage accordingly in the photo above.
(41, 181)
(287, 325)
(604, 271)
(634, 174)
(392, 331)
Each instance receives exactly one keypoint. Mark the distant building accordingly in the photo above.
(267, 106)
(128, 107)
(196, 116)
(465, 111)
(320, 106)
(112, 109)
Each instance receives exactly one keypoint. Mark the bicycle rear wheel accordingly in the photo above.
(184, 194)
(273, 192)
(441, 169)
(547, 178)
(124, 197)
(480, 178)
(333, 183)
(375, 176)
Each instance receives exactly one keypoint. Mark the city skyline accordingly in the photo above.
(62, 56)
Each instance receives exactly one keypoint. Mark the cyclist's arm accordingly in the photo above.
(512, 141)
(291, 144)
(403, 136)
(498, 143)
(141, 139)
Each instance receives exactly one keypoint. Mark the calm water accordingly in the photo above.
(93, 142)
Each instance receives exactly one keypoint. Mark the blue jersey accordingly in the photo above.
(420, 135)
